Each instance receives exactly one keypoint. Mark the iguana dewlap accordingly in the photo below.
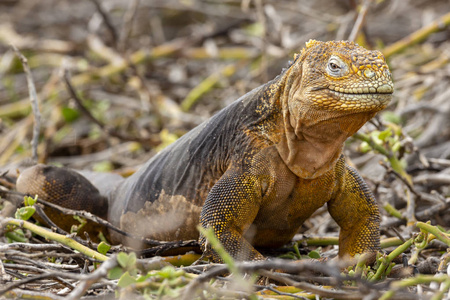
(256, 170)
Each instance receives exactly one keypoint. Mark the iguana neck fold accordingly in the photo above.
(309, 143)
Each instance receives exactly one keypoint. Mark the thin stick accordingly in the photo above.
(359, 21)
(34, 104)
(86, 280)
(127, 25)
(399, 176)
(92, 278)
(110, 131)
(112, 30)
(21, 294)
(37, 267)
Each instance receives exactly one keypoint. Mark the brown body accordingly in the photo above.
(261, 166)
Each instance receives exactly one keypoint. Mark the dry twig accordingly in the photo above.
(34, 104)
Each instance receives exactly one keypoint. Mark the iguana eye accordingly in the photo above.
(336, 67)
(333, 66)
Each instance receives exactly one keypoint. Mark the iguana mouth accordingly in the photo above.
(349, 100)
(381, 89)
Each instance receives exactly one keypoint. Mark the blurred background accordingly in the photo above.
(117, 81)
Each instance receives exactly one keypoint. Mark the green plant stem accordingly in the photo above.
(365, 138)
(57, 238)
(392, 211)
(16, 237)
(398, 170)
(361, 264)
(420, 279)
(393, 161)
(331, 240)
(434, 231)
(320, 241)
(388, 259)
(387, 295)
(389, 242)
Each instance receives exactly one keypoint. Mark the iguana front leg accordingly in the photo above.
(356, 212)
(230, 208)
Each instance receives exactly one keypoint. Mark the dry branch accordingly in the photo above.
(359, 20)
(34, 104)
(417, 36)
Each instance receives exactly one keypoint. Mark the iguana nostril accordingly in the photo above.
(385, 88)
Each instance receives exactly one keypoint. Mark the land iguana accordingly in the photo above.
(256, 170)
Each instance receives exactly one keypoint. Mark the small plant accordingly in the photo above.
(166, 282)
(15, 234)
(388, 142)
(26, 212)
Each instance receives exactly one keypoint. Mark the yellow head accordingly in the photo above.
(342, 76)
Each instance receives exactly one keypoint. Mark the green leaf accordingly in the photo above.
(125, 280)
(314, 254)
(297, 251)
(390, 116)
(385, 134)
(375, 137)
(80, 219)
(167, 138)
(70, 114)
(122, 259)
(167, 272)
(16, 236)
(143, 278)
(126, 261)
(28, 201)
(103, 166)
(24, 213)
(115, 273)
(131, 260)
(76, 228)
(396, 146)
(103, 247)
(255, 29)
(364, 147)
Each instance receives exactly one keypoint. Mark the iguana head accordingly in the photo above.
(342, 76)
(329, 91)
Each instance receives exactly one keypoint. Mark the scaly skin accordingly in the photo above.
(260, 167)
